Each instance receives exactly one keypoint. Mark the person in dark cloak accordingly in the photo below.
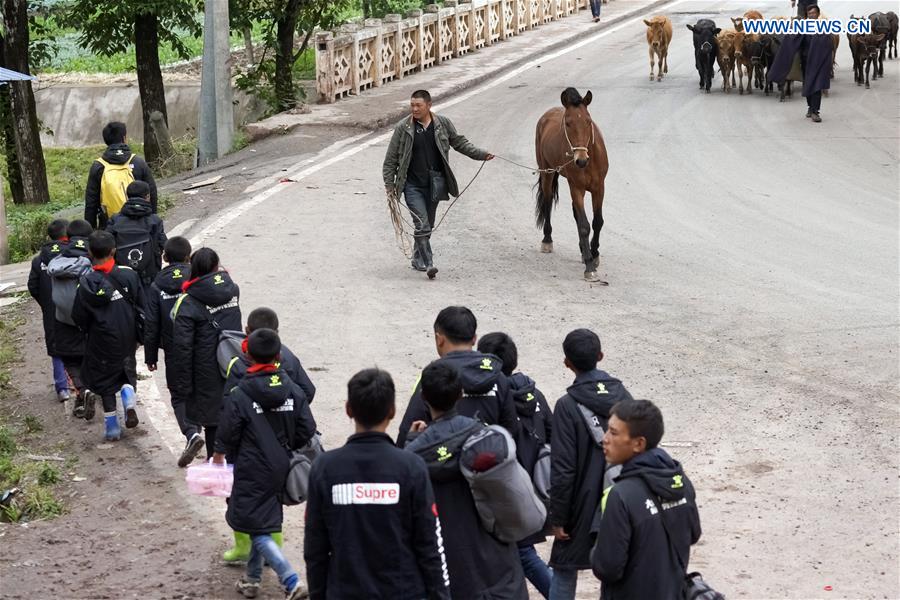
(815, 57)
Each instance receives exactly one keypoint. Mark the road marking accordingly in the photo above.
(157, 411)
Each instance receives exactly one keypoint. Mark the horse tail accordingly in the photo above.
(544, 204)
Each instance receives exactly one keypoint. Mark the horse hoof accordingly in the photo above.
(592, 277)
(547, 248)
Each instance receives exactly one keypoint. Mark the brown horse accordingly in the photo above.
(569, 143)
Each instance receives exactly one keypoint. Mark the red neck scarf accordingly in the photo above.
(262, 368)
(106, 266)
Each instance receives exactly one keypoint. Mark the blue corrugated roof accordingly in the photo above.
(7, 75)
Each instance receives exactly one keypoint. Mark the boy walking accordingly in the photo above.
(268, 415)
(649, 516)
(161, 298)
(41, 289)
(139, 234)
(105, 308)
(479, 565)
(535, 420)
(578, 466)
(486, 397)
(370, 494)
(65, 271)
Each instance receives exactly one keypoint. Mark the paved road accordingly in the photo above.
(752, 258)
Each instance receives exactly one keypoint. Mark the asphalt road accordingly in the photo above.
(752, 258)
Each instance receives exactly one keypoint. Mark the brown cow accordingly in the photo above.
(749, 15)
(726, 58)
(659, 34)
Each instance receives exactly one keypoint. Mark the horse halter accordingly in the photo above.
(572, 148)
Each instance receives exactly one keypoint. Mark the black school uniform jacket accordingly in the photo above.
(480, 566)
(195, 339)
(486, 396)
(108, 319)
(139, 209)
(535, 427)
(41, 288)
(117, 154)
(632, 557)
(161, 298)
(578, 464)
(371, 513)
(65, 271)
(267, 415)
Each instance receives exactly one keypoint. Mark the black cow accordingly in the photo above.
(881, 24)
(892, 36)
(865, 49)
(706, 49)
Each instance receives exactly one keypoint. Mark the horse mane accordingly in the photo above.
(571, 97)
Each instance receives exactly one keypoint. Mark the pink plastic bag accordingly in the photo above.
(208, 479)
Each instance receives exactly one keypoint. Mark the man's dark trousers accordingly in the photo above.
(418, 199)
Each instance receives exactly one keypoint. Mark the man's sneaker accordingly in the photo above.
(193, 446)
(78, 409)
(113, 432)
(432, 272)
(816, 118)
(247, 587)
(131, 418)
(90, 400)
(63, 395)
(297, 592)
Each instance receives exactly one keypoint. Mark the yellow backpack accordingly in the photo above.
(113, 184)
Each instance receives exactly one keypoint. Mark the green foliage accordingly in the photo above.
(7, 444)
(32, 424)
(47, 475)
(379, 8)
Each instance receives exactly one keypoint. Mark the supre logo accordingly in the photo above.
(365, 493)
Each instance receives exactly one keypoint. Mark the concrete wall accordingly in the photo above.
(77, 113)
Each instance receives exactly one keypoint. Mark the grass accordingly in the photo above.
(36, 480)
(67, 170)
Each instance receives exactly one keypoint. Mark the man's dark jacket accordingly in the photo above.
(632, 557)
(391, 544)
(268, 415)
(816, 58)
(480, 566)
(117, 154)
(486, 395)
(578, 464)
(41, 288)
(210, 299)
(108, 319)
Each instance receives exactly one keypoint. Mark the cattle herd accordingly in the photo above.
(752, 54)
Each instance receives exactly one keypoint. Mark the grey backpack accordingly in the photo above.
(296, 484)
(504, 494)
(541, 475)
(65, 272)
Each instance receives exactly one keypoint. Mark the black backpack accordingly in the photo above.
(135, 246)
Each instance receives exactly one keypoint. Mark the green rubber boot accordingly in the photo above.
(241, 551)
(279, 538)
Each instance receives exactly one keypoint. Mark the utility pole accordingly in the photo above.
(216, 129)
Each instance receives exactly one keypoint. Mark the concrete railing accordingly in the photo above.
(363, 55)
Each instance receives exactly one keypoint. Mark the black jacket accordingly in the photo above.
(632, 557)
(267, 415)
(108, 320)
(535, 427)
(116, 154)
(68, 338)
(392, 546)
(163, 293)
(578, 464)
(195, 340)
(41, 288)
(486, 396)
(286, 361)
(480, 566)
(138, 209)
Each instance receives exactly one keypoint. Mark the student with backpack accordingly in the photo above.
(110, 175)
(536, 426)
(236, 369)
(164, 291)
(487, 397)
(41, 289)
(106, 308)
(479, 565)
(140, 235)
(372, 495)
(65, 271)
(208, 305)
(649, 516)
(268, 415)
(578, 466)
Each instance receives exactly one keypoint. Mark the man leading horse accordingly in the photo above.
(417, 164)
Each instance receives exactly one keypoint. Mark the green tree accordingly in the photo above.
(109, 27)
(379, 8)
